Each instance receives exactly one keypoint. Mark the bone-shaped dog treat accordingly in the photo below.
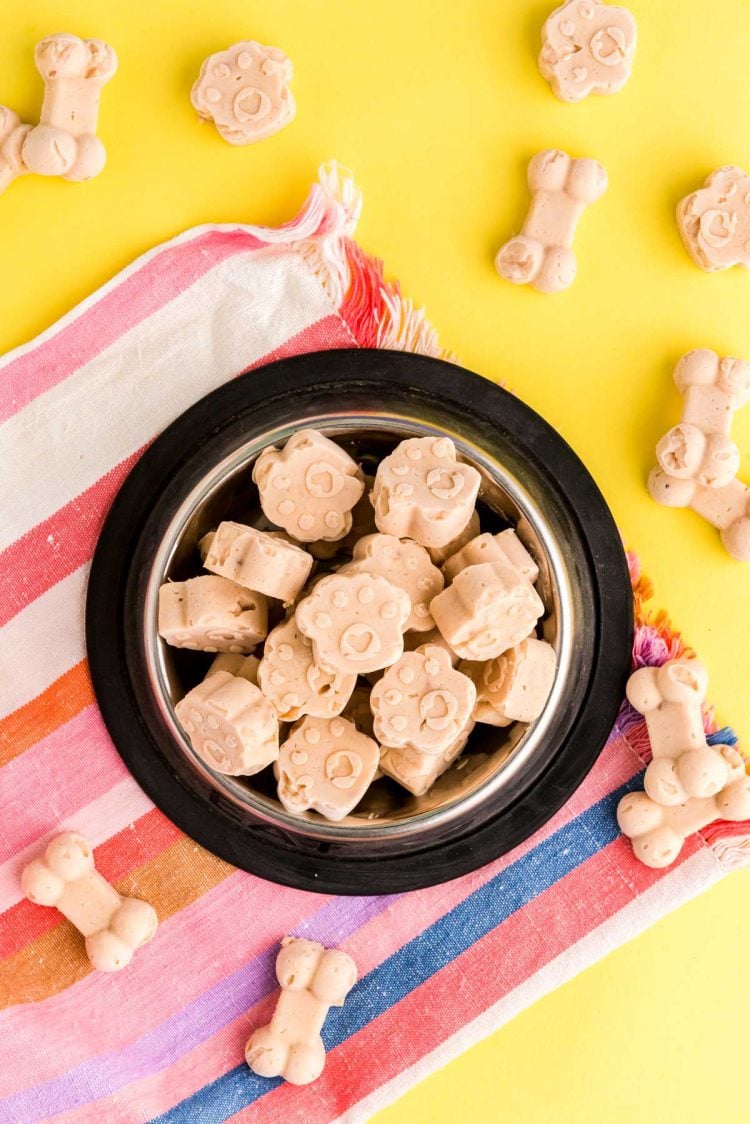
(505, 547)
(245, 92)
(245, 667)
(258, 560)
(487, 609)
(66, 877)
(293, 682)
(422, 701)
(516, 685)
(405, 564)
(714, 221)
(587, 48)
(312, 978)
(726, 508)
(65, 143)
(355, 621)
(13, 133)
(438, 554)
(562, 188)
(423, 492)
(416, 771)
(231, 726)
(212, 614)
(325, 764)
(658, 831)
(309, 487)
(684, 766)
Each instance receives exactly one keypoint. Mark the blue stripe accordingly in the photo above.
(414, 963)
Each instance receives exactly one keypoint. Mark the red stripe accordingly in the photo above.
(116, 857)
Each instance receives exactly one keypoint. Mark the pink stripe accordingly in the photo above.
(77, 762)
(122, 305)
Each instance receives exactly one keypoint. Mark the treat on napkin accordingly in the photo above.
(181, 320)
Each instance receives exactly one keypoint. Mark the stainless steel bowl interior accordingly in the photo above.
(493, 756)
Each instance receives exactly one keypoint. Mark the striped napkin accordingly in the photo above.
(164, 1039)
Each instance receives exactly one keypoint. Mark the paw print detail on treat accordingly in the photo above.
(587, 48)
(230, 725)
(309, 487)
(487, 610)
(258, 560)
(405, 564)
(245, 92)
(325, 765)
(714, 222)
(503, 547)
(211, 614)
(355, 622)
(66, 877)
(516, 685)
(416, 771)
(423, 492)
(293, 682)
(422, 701)
(13, 133)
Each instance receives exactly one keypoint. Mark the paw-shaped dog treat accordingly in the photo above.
(517, 684)
(212, 614)
(312, 978)
(438, 554)
(422, 701)
(405, 564)
(13, 133)
(309, 487)
(363, 523)
(359, 711)
(487, 610)
(64, 143)
(66, 877)
(258, 560)
(325, 764)
(231, 726)
(245, 667)
(423, 492)
(541, 255)
(714, 221)
(355, 621)
(658, 832)
(293, 682)
(414, 640)
(416, 771)
(587, 48)
(504, 547)
(245, 92)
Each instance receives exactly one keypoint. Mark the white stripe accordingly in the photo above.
(66, 439)
(42, 642)
(691, 878)
(98, 821)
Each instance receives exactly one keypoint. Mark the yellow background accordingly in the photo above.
(437, 105)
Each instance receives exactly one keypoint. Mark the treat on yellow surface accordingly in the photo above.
(13, 133)
(231, 726)
(245, 92)
(714, 221)
(422, 701)
(486, 610)
(587, 48)
(325, 764)
(211, 614)
(66, 877)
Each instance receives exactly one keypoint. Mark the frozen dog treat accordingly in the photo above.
(309, 487)
(541, 255)
(416, 771)
(13, 133)
(245, 667)
(587, 48)
(658, 831)
(405, 564)
(480, 673)
(670, 699)
(258, 560)
(293, 682)
(66, 877)
(212, 614)
(64, 143)
(245, 92)
(327, 765)
(363, 523)
(422, 492)
(487, 610)
(727, 508)
(312, 979)
(355, 622)
(438, 554)
(515, 685)
(358, 710)
(231, 726)
(422, 701)
(414, 640)
(505, 547)
(714, 222)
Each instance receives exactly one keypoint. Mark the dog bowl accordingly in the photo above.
(507, 782)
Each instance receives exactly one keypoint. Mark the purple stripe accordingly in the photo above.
(231, 997)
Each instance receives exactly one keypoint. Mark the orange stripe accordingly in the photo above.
(67, 697)
(178, 876)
